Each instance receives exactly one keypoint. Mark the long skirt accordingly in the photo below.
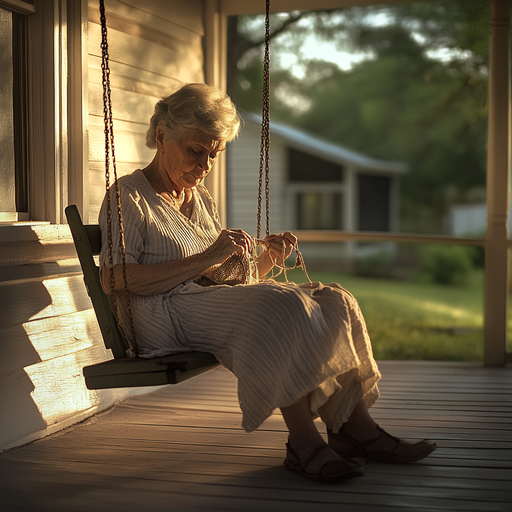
(282, 341)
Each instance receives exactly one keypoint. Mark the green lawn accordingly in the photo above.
(417, 320)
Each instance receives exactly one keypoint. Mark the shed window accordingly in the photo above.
(374, 202)
(305, 167)
(319, 210)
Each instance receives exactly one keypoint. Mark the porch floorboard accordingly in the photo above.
(181, 448)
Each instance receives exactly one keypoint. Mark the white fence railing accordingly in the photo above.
(367, 236)
(494, 301)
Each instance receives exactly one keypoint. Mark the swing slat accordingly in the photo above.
(135, 372)
(123, 371)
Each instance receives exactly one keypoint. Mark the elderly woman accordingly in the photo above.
(301, 348)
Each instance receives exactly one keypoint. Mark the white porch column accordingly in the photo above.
(498, 168)
(215, 55)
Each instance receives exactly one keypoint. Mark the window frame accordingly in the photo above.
(15, 200)
(293, 190)
(57, 143)
(19, 6)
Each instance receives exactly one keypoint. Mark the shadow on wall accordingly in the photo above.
(48, 332)
(19, 302)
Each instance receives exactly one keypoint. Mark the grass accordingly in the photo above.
(417, 320)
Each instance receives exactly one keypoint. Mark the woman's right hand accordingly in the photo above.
(229, 242)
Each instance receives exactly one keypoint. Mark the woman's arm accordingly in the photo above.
(162, 277)
(156, 278)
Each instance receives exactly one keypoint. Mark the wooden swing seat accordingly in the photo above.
(124, 371)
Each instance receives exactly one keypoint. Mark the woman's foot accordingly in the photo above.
(382, 447)
(323, 464)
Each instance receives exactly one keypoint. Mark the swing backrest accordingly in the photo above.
(87, 241)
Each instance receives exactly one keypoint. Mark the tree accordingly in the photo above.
(419, 96)
(242, 40)
(245, 50)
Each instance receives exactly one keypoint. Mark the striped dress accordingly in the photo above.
(282, 341)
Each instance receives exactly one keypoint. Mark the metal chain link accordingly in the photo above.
(110, 150)
(264, 173)
(265, 132)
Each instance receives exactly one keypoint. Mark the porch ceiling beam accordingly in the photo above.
(235, 7)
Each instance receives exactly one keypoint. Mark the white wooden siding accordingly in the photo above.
(243, 179)
(154, 47)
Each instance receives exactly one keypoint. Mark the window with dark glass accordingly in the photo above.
(317, 185)
(319, 210)
(13, 115)
(373, 202)
(303, 167)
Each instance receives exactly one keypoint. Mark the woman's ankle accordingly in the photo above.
(362, 432)
(304, 447)
(360, 425)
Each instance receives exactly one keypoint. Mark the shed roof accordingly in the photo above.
(302, 141)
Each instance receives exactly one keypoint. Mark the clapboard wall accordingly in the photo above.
(243, 183)
(48, 330)
(154, 48)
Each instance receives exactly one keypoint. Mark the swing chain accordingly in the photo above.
(264, 161)
(265, 131)
(110, 154)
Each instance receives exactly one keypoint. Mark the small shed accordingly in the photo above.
(314, 185)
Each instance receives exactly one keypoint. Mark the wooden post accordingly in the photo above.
(350, 202)
(215, 74)
(61, 111)
(498, 167)
(78, 132)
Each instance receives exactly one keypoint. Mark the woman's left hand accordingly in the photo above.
(279, 247)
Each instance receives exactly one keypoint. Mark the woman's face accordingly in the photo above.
(189, 160)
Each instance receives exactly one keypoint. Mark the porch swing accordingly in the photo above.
(123, 371)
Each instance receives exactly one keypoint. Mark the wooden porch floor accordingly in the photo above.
(182, 449)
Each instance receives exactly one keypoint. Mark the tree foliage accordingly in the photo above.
(419, 96)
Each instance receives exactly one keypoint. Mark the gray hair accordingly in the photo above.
(195, 107)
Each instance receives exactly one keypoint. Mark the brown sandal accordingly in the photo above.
(368, 450)
(331, 471)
